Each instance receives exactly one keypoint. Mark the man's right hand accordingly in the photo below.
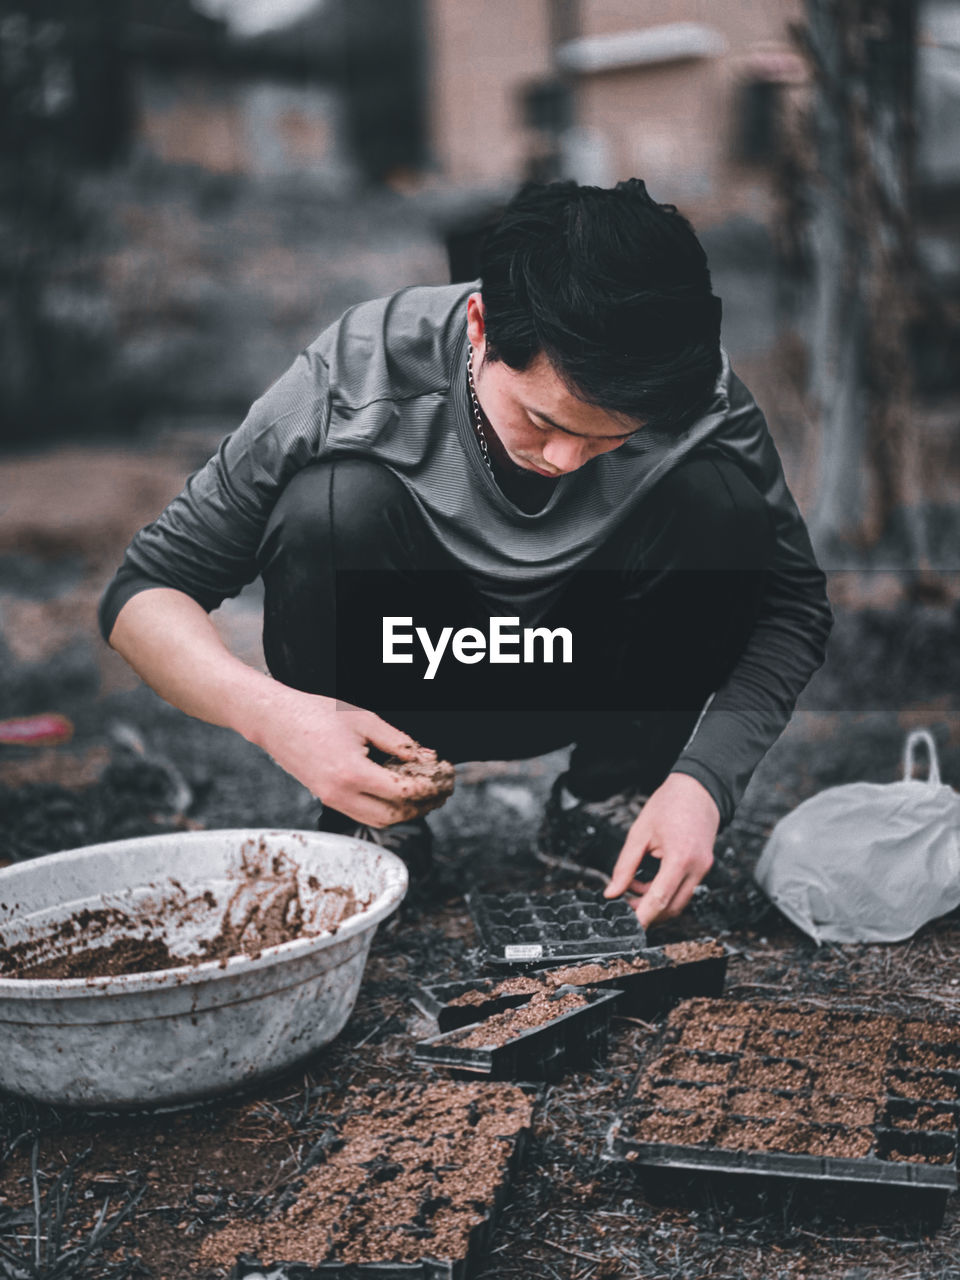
(324, 744)
(170, 641)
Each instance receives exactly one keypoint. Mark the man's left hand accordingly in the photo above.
(678, 825)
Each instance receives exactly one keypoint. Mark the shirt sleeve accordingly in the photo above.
(205, 542)
(788, 642)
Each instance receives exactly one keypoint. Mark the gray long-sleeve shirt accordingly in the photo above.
(388, 381)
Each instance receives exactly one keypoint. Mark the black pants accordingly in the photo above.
(658, 615)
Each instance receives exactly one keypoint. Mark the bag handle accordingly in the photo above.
(909, 752)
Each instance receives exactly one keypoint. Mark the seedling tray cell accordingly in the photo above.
(575, 924)
(701, 1121)
(573, 1041)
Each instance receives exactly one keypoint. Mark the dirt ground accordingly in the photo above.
(134, 765)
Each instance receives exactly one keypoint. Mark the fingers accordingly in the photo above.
(375, 812)
(393, 741)
(666, 895)
(631, 855)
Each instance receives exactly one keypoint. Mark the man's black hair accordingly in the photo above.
(614, 289)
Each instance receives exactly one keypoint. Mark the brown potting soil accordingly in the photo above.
(679, 1097)
(568, 975)
(425, 767)
(856, 1113)
(772, 1073)
(915, 1157)
(126, 955)
(761, 1103)
(925, 1118)
(581, 975)
(502, 1027)
(766, 1103)
(928, 1057)
(508, 987)
(688, 952)
(926, 1087)
(263, 911)
(862, 1081)
(683, 1128)
(716, 1039)
(944, 1033)
(413, 1171)
(687, 1065)
(791, 1135)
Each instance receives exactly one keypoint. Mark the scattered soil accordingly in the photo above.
(410, 1172)
(500, 1028)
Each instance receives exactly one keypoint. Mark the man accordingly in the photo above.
(563, 446)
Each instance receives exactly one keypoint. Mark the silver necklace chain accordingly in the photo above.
(478, 414)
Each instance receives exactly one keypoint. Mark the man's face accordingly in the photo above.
(541, 426)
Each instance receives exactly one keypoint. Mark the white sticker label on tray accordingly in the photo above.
(523, 951)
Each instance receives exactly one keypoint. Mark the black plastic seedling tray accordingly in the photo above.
(902, 1173)
(643, 994)
(478, 1245)
(574, 924)
(573, 1041)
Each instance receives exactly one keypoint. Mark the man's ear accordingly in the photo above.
(476, 326)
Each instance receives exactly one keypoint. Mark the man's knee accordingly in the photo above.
(346, 505)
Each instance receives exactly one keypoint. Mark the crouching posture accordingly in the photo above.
(496, 519)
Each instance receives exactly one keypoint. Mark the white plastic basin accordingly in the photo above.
(173, 1035)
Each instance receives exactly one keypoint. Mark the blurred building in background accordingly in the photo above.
(685, 94)
(191, 189)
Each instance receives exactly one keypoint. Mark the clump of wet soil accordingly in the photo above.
(410, 1173)
(425, 766)
(501, 1028)
(264, 910)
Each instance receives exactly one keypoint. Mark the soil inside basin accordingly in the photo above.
(264, 910)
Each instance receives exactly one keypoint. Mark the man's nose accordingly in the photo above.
(565, 453)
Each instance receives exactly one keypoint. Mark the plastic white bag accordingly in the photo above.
(868, 862)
